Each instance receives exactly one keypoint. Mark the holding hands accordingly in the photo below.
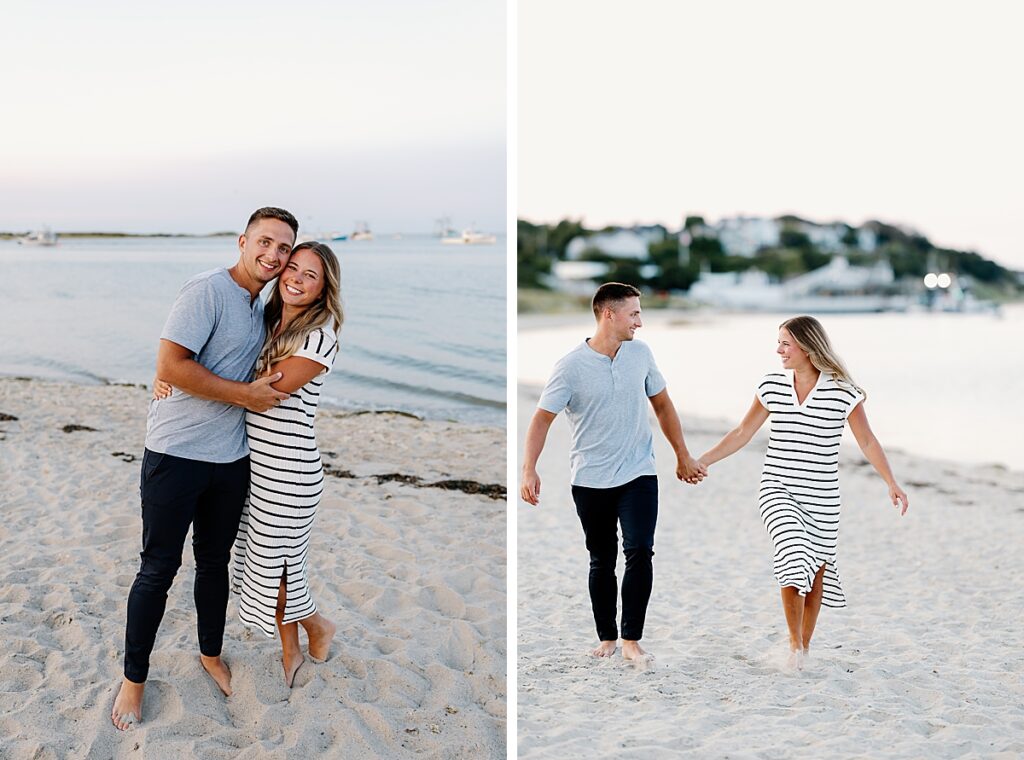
(691, 470)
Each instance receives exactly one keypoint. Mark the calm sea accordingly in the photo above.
(424, 330)
(948, 386)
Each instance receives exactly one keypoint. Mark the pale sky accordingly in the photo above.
(185, 117)
(906, 112)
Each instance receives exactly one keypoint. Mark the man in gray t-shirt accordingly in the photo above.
(195, 468)
(604, 386)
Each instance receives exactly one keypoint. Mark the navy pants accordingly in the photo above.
(177, 493)
(634, 506)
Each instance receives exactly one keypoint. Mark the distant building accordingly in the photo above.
(835, 287)
(652, 233)
(576, 277)
(622, 244)
(581, 277)
(734, 290)
(867, 239)
(746, 235)
(840, 277)
(827, 238)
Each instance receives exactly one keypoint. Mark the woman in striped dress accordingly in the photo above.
(303, 316)
(809, 404)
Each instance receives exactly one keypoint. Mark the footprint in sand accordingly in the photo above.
(383, 550)
(388, 646)
(20, 675)
(459, 649)
(444, 600)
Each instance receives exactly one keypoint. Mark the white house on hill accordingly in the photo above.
(622, 244)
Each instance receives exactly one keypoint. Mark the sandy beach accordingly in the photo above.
(924, 662)
(407, 556)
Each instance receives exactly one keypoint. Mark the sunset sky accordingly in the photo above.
(185, 117)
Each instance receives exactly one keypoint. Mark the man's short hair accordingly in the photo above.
(611, 294)
(272, 212)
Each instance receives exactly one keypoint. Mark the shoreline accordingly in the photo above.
(407, 556)
(326, 402)
(700, 314)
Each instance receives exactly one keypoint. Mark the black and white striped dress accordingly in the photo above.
(284, 491)
(799, 497)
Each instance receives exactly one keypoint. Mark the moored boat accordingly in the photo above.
(471, 237)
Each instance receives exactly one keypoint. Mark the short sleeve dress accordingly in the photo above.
(799, 496)
(284, 491)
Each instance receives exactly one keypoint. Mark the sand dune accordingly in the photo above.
(414, 577)
(924, 662)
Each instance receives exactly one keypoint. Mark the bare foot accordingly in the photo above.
(634, 653)
(604, 649)
(632, 649)
(321, 632)
(795, 661)
(218, 671)
(127, 705)
(291, 663)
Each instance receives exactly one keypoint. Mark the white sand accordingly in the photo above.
(926, 661)
(414, 577)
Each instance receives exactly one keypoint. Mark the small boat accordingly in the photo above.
(470, 237)
(45, 236)
(338, 236)
(362, 232)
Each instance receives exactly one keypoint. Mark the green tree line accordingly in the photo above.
(910, 255)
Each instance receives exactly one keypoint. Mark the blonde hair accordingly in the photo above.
(323, 312)
(810, 336)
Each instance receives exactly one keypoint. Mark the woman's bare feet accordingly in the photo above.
(604, 649)
(321, 632)
(127, 707)
(795, 661)
(218, 671)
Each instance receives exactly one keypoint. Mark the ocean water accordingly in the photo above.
(424, 329)
(948, 386)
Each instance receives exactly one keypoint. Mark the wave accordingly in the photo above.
(465, 398)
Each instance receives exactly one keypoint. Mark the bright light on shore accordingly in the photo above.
(944, 280)
(931, 280)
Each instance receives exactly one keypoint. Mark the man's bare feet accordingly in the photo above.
(604, 649)
(321, 632)
(218, 671)
(127, 707)
(291, 661)
(633, 652)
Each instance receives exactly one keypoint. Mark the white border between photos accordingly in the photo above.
(511, 366)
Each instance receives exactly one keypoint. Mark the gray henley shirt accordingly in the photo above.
(214, 318)
(605, 402)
